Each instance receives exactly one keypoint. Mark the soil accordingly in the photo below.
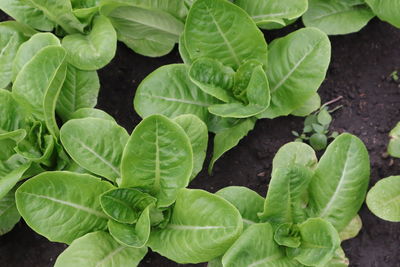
(360, 70)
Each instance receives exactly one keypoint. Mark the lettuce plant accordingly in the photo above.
(384, 197)
(347, 16)
(309, 208)
(129, 193)
(231, 77)
(90, 29)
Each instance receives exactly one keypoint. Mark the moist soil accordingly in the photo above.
(359, 72)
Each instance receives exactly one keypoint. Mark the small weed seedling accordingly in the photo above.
(316, 126)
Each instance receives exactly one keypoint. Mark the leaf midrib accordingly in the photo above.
(110, 255)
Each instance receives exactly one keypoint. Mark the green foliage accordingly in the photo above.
(309, 208)
(231, 76)
(139, 200)
(316, 127)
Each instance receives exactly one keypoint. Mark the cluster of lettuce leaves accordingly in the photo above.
(130, 194)
(384, 197)
(90, 28)
(231, 77)
(309, 209)
(348, 16)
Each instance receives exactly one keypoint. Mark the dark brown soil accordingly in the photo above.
(361, 65)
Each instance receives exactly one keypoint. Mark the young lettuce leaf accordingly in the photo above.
(387, 10)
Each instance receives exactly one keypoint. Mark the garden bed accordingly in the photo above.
(360, 70)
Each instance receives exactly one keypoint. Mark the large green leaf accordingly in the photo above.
(91, 113)
(319, 242)
(80, 90)
(59, 12)
(220, 22)
(146, 30)
(169, 91)
(256, 247)
(30, 48)
(197, 132)
(229, 138)
(202, 227)
(339, 259)
(63, 206)
(39, 82)
(99, 249)
(337, 16)
(94, 50)
(11, 171)
(158, 158)
(213, 78)
(9, 215)
(294, 153)
(125, 204)
(308, 107)
(132, 235)
(286, 192)
(265, 13)
(341, 178)
(10, 40)
(297, 66)
(384, 199)
(23, 12)
(387, 10)
(394, 143)
(248, 202)
(95, 144)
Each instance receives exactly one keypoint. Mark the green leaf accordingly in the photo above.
(129, 235)
(296, 68)
(95, 144)
(79, 90)
(384, 199)
(10, 40)
(336, 16)
(324, 117)
(197, 132)
(394, 143)
(319, 241)
(13, 115)
(287, 235)
(387, 10)
(62, 206)
(213, 78)
(286, 193)
(352, 229)
(10, 173)
(9, 215)
(59, 12)
(246, 201)
(146, 30)
(125, 204)
(318, 141)
(311, 105)
(229, 138)
(39, 82)
(266, 12)
(91, 113)
(338, 260)
(256, 247)
(169, 91)
(158, 158)
(202, 227)
(99, 249)
(23, 12)
(94, 50)
(340, 181)
(220, 22)
(294, 153)
(183, 51)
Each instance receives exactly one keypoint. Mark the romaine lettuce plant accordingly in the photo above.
(90, 29)
(129, 193)
(309, 208)
(231, 77)
(347, 16)
(384, 197)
